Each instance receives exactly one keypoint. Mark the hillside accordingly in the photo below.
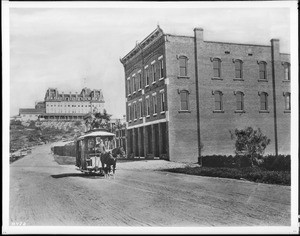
(28, 134)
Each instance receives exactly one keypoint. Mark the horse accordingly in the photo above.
(108, 160)
(119, 151)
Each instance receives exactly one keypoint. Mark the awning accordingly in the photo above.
(97, 133)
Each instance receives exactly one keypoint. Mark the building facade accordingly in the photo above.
(70, 106)
(183, 92)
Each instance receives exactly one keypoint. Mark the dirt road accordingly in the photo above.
(42, 192)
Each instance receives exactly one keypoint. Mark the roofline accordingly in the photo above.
(144, 40)
(244, 44)
(176, 35)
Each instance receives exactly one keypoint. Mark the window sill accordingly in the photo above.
(154, 82)
(239, 111)
(133, 93)
(216, 78)
(183, 77)
(129, 121)
(286, 81)
(287, 111)
(161, 78)
(262, 80)
(218, 111)
(238, 79)
(148, 116)
(139, 90)
(155, 114)
(147, 86)
(264, 111)
(141, 118)
(162, 112)
(135, 119)
(184, 111)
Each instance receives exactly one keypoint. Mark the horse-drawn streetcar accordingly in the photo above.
(94, 152)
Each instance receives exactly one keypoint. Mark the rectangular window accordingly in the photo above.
(182, 66)
(147, 76)
(134, 111)
(263, 102)
(217, 67)
(287, 71)
(133, 84)
(184, 100)
(129, 113)
(287, 101)
(238, 69)
(162, 101)
(154, 104)
(128, 86)
(147, 107)
(218, 101)
(161, 69)
(239, 101)
(153, 72)
(141, 109)
(140, 80)
(262, 71)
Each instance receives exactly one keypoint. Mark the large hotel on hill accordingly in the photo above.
(65, 106)
(183, 92)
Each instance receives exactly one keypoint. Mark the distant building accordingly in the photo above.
(72, 106)
(61, 106)
(183, 91)
(27, 114)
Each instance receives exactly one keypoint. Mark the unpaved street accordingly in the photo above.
(42, 192)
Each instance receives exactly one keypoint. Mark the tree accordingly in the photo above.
(251, 143)
(98, 120)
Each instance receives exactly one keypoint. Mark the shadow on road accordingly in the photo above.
(90, 176)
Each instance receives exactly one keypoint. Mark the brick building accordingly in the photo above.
(183, 91)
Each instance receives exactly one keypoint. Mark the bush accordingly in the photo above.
(249, 173)
(281, 163)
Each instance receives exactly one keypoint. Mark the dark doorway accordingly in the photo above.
(163, 127)
(142, 141)
(156, 140)
(149, 131)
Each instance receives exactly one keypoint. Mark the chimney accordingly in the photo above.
(198, 32)
(275, 49)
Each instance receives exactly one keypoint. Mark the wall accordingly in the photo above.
(183, 145)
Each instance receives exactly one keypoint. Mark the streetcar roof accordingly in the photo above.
(97, 134)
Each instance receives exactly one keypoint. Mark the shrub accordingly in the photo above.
(249, 142)
(279, 163)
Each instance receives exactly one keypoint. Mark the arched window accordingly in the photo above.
(218, 100)
(238, 69)
(217, 67)
(263, 101)
(183, 66)
(184, 100)
(239, 101)
(287, 101)
(286, 67)
(262, 70)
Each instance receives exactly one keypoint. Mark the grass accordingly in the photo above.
(252, 174)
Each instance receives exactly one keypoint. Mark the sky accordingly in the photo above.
(60, 46)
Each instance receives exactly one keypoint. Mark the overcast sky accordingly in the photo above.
(58, 47)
